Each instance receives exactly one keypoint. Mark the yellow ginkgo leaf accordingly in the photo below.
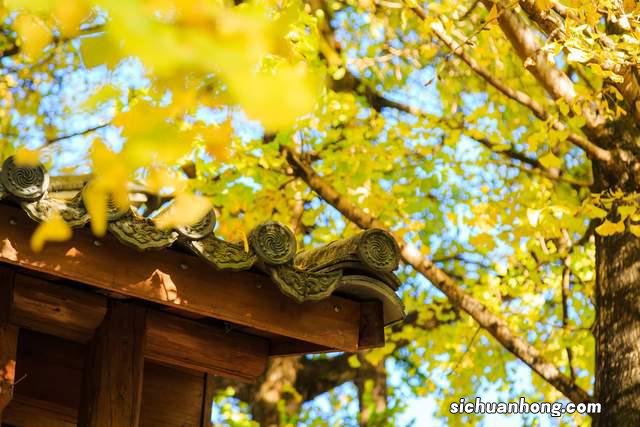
(95, 200)
(626, 211)
(550, 160)
(162, 179)
(217, 139)
(353, 361)
(99, 50)
(108, 166)
(544, 5)
(32, 5)
(69, 15)
(493, 14)
(53, 230)
(483, 241)
(294, 89)
(25, 157)
(608, 228)
(103, 94)
(592, 211)
(629, 5)
(34, 34)
(635, 229)
(186, 209)
(245, 241)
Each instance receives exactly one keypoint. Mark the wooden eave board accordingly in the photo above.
(183, 282)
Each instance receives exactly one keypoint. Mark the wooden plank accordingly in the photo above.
(50, 373)
(50, 370)
(170, 398)
(205, 348)
(56, 309)
(181, 281)
(112, 379)
(25, 411)
(371, 325)
(286, 347)
(8, 340)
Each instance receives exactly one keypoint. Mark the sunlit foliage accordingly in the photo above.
(193, 99)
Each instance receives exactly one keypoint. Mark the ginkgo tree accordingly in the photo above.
(498, 141)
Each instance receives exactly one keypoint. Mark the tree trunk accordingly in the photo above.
(372, 393)
(617, 325)
(277, 385)
(618, 329)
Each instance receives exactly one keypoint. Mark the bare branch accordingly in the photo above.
(80, 133)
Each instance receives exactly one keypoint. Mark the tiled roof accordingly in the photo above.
(360, 267)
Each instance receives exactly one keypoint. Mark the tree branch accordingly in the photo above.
(526, 44)
(456, 295)
(331, 50)
(71, 135)
(550, 22)
(593, 151)
(14, 48)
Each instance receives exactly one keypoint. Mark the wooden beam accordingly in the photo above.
(56, 309)
(371, 325)
(181, 281)
(8, 340)
(285, 347)
(75, 314)
(205, 348)
(26, 411)
(112, 380)
(371, 334)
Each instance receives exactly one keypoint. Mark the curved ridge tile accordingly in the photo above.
(25, 183)
(365, 288)
(304, 285)
(141, 233)
(200, 229)
(372, 252)
(222, 255)
(273, 243)
(72, 211)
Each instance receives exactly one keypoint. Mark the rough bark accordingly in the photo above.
(277, 385)
(372, 392)
(617, 325)
(618, 329)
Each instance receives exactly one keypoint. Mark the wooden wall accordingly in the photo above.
(49, 393)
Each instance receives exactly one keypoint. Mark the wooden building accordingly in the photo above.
(128, 329)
